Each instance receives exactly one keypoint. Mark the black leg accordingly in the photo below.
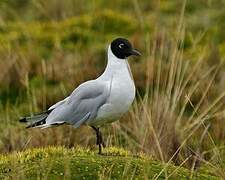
(101, 138)
(100, 142)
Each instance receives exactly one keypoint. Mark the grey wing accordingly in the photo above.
(82, 104)
(58, 104)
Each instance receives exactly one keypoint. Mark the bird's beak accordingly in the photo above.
(135, 52)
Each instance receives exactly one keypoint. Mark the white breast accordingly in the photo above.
(122, 92)
(121, 96)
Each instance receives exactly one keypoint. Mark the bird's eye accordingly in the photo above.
(121, 46)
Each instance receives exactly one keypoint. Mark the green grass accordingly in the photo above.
(67, 34)
(78, 163)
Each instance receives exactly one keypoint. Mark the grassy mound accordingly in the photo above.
(59, 162)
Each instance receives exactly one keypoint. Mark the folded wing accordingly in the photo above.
(80, 106)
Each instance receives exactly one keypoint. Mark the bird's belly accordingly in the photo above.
(121, 97)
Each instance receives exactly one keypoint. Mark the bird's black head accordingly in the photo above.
(122, 48)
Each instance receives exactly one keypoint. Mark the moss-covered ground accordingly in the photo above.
(79, 163)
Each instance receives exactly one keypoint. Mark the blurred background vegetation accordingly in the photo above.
(47, 48)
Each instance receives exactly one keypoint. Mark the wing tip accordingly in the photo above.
(23, 120)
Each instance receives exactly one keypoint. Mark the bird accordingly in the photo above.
(95, 102)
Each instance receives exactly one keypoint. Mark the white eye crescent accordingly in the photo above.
(121, 45)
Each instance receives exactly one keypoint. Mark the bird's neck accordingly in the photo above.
(114, 63)
(115, 66)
